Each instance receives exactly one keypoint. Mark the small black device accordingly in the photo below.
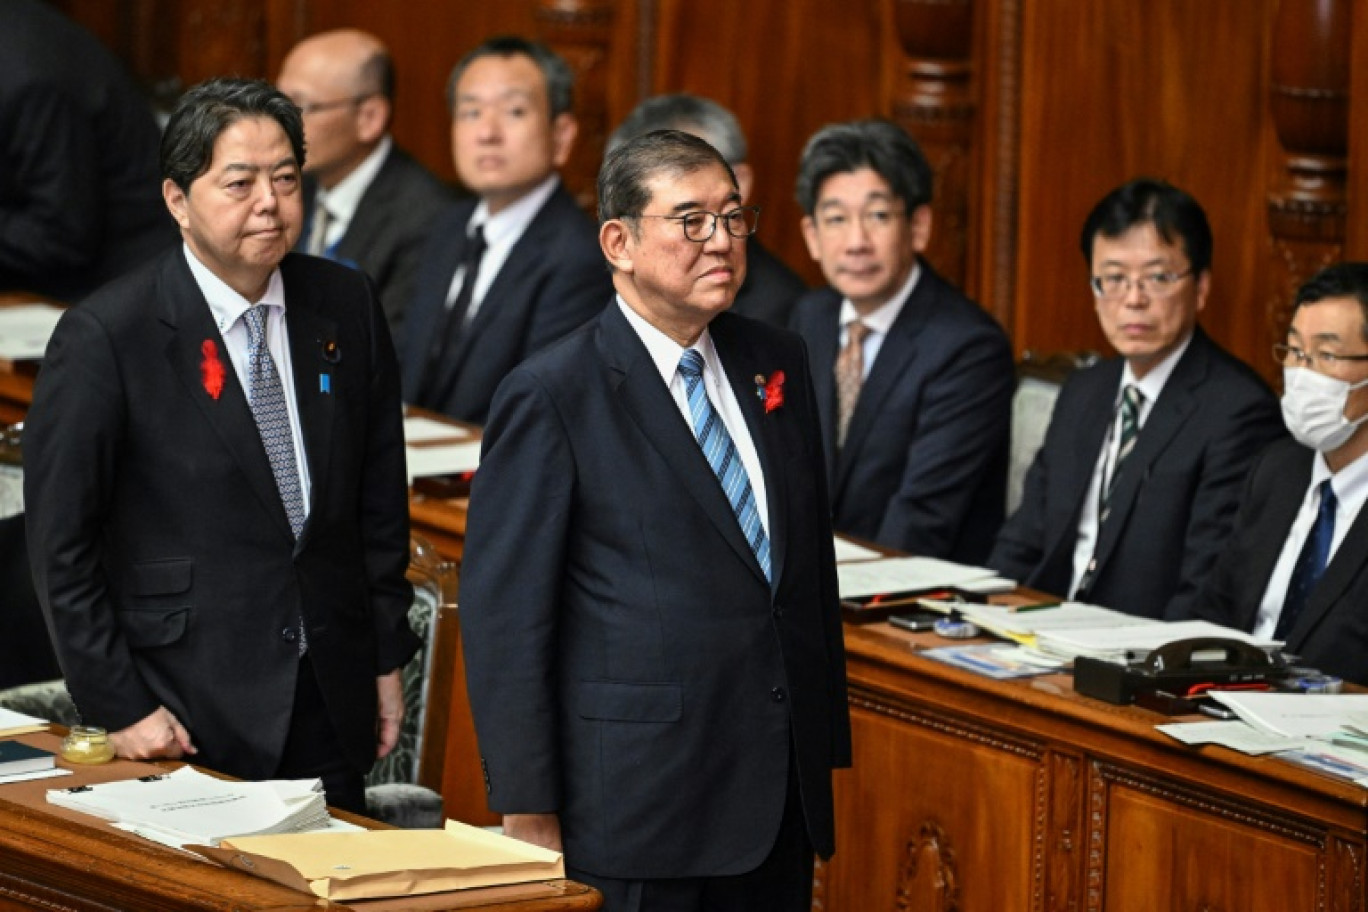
(1184, 669)
(915, 620)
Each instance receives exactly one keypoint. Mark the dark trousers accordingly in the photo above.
(312, 751)
(782, 882)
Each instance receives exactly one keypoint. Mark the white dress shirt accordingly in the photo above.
(665, 353)
(501, 232)
(1150, 387)
(878, 322)
(227, 307)
(343, 200)
(1350, 485)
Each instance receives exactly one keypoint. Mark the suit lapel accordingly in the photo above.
(315, 378)
(186, 312)
(1347, 564)
(652, 408)
(823, 355)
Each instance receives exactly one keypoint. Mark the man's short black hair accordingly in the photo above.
(622, 190)
(880, 145)
(1174, 214)
(1342, 280)
(560, 81)
(204, 112)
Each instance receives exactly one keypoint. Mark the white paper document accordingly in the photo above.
(17, 723)
(1121, 643)
(1233, 734)
(35, 774)
(847, 550)
(25, 330)
(447, 459)
(1066, 616)
(1292, 714)
(904, 574)
(418, 429)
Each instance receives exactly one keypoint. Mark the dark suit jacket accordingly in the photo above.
(161, 550)
(924, 466)
(554, 279)
(771, 288)
(1176, 495)
(80, 189)
(629, 666)
(1332, 632)
(386, 234)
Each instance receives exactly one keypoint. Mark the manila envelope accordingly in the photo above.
(369, 864)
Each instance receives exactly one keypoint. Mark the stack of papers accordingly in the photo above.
(17, 723)
(1132, 641)
(188, 807)
(438, 448)
(863, 578)
(25, 330)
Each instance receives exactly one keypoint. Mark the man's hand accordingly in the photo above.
(538, 829)
(157, 736)
(391, 690)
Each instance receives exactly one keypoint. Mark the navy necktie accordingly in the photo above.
(720, 451)
(1310, 566)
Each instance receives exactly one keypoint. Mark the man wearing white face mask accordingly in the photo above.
(1296, 566)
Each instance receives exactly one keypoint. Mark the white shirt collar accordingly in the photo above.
(511, 221)
(226, 305)
(882, 318)
(1152, 384)
(343, 199)
(666, 352)
(1350, 483)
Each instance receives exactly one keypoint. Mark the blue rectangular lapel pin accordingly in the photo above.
(325, 383)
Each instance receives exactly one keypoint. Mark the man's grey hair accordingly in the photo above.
(702, 117)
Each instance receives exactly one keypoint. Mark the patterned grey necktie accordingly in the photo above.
(267, 398)
(1131, 400)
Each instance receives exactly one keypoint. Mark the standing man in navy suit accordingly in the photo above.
(652, 641)
(367, 202)
(214, 475)
(914, 381)
(1132, 495)
(517, 267)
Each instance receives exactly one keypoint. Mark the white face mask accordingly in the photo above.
(1313, 408)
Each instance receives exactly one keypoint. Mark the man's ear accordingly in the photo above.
(372, 119)
(814, 248)
(921, 228)
(745, 180)
(618, 245)
(564, 129)
(176, 202)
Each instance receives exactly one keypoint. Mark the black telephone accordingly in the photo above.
(1183, 668)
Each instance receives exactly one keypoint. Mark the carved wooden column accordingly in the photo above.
(581, 31)
(1309, 103)
(934, 102)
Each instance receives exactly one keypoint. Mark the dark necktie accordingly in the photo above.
(445, 340)
(1310, 566)
(1131, 400)
(720, 451)
(849, 377)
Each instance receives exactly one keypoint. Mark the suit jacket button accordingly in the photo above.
(289, 635)
(778, 695)
(778, 612)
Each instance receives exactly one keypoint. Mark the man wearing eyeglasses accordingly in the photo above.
(648, 598)
(515, 268)
(367, 202)
(1132, 495)
(1296, 565)
(914, 381)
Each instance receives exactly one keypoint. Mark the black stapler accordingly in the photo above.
(1184, 668)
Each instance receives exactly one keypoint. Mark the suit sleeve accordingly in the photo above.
(1244, 435)
(962, 426)
(53, 222)
(72, 444)
(519, 522)
(384, 513)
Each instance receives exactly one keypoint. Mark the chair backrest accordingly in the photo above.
(1038, 383)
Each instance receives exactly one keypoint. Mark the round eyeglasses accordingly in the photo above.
(699, 226)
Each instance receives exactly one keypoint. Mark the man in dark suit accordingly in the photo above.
(518, 267)
(914, 380)
(367, 202)
(1295, 566)
(1133, 492)
(771, 288)
(654, 656)
(78, 162)
(214, 476)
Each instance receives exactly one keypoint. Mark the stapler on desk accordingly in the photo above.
(1184, 668)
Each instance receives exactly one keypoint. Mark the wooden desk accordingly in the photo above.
(973, 794)
(55, 859)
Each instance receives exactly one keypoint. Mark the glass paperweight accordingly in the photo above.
(87, 744)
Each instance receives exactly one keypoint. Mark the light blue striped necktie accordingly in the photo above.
(722, 456)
